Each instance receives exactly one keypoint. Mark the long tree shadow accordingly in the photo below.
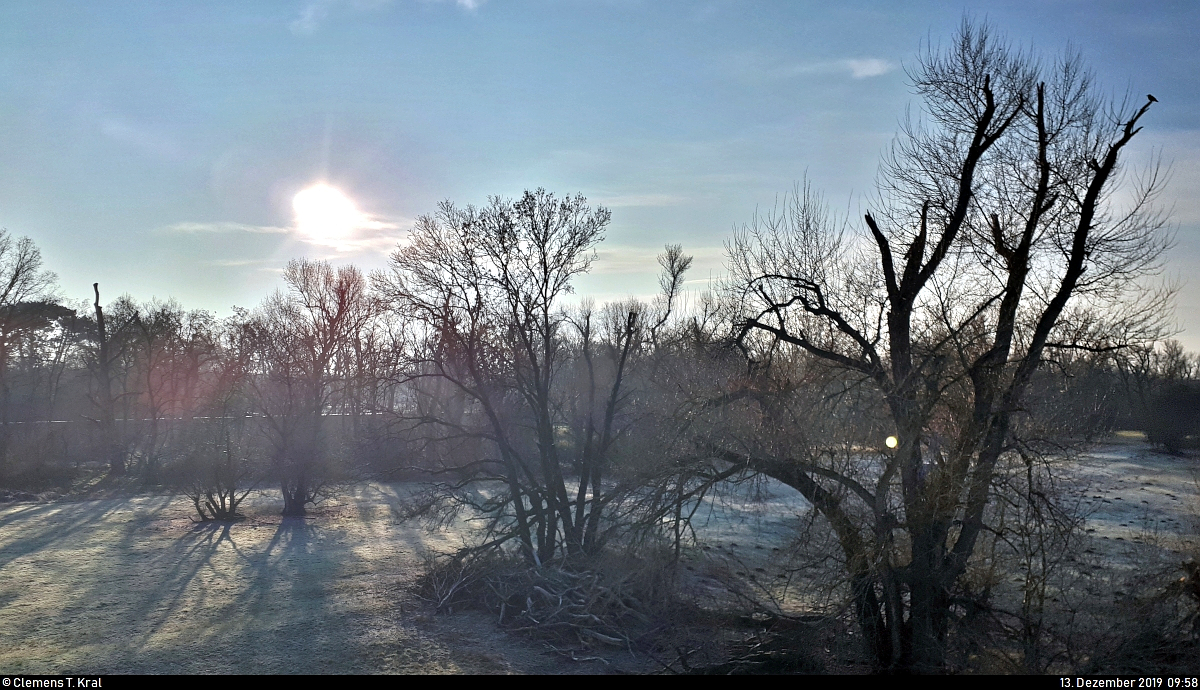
(165, 600)
(284, 567)
(41, 527)
(168, 593)
(387, 504)
(59, 567)
(285, 611)
(140, 594)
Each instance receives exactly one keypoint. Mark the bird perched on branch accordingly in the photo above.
(1152, 98)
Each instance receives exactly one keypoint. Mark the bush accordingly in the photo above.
(1173, 418)
(1159, 635)
(215, 471)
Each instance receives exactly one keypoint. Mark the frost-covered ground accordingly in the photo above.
(1140, 510)
(132, 585)
(1137, 496)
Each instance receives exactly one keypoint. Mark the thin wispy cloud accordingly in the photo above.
(869, 67)
(470, 5)
(753, 66)
(239, 263)
(225, 227)
(374, 234)
(315, 13)
(311, 16)
(618, 259)
(142, 138)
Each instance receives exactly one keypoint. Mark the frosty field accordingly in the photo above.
(133, 585)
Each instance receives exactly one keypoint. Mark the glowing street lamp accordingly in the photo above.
(891, 442)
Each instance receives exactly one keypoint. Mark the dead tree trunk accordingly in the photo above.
(109, 448)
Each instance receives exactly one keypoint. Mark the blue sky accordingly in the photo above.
(156, 147)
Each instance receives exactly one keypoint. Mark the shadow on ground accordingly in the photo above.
(133, 585)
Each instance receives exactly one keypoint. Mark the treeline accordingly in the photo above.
(461, 358)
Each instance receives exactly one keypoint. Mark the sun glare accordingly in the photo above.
(325, 213)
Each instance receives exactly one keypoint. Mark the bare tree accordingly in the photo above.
(996, 240)
(27, 305)
(169, 349)
(483, 286)
(301, 339)
(596, 398)
(217, 462)
(111, 345)
(23, 284)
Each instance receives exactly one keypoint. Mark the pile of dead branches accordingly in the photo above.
(563, 605)
(766, 653)
(583, 607)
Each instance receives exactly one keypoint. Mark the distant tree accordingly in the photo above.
(217, 453)
(107, 359)
(170, 349)
(1145, 372)
(996, 240)
(301, 340)
(28, 305)
(1173, 416)
(27, 293)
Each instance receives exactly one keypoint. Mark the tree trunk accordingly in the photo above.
(877, 636)
(295, 496)
(110, 451)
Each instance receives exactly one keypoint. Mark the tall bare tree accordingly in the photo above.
(110, 346)
(301, 338)
(996, 239)
(484, 287)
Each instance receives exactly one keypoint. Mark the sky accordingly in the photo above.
(157, 147)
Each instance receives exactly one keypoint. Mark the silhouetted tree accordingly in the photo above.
(217, 452)
(483, 288)
(994, 242)
(28, 305)
(109, 348)
(301, 339)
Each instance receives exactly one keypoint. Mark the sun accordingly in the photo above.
(325, 213)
